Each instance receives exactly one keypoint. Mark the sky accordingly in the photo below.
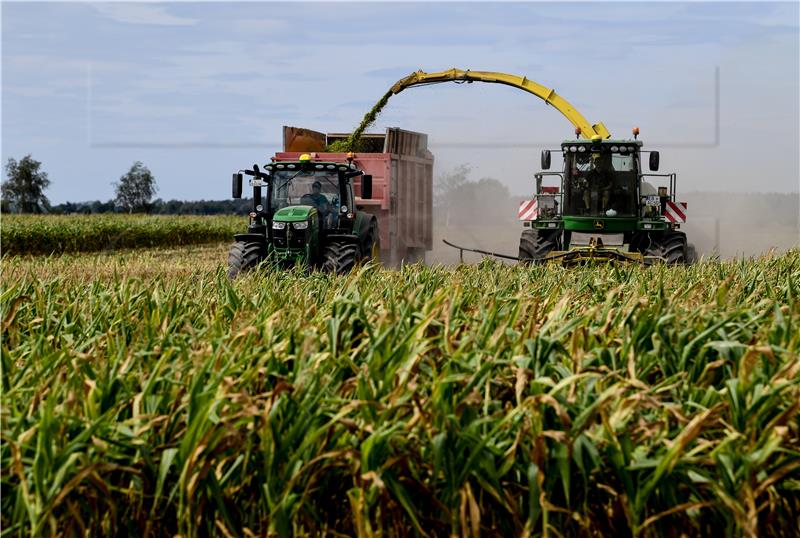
(198, 90)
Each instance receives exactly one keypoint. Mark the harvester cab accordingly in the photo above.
(304, 213)
(602, 206)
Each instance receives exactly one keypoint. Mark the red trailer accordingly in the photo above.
(402, 184)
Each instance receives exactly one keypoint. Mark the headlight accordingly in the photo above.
(581, 149)
(300, 225)
(277, 225)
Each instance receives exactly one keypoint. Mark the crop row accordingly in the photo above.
(482, 400)
(53, 234)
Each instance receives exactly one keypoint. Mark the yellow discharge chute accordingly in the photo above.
(549, 96)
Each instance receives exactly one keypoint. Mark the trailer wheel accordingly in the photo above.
(340, 258)
(244, 256)
(372, 243)
(534, 245)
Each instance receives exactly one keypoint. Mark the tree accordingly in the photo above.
(24, 188)
(460, 201)
(135, 189)
(446, 184)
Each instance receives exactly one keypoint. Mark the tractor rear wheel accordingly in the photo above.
(244, 256)
(535, 245)
(340, 258)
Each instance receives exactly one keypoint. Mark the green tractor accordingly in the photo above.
(308, 217)
(603, 208)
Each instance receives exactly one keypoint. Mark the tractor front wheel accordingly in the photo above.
(340, 258)
(244, 256)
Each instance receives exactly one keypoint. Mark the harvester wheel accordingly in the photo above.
(534, 245)
(691, 253)
(675, 247)
(671, 247)
(244, 256)
(340, 258)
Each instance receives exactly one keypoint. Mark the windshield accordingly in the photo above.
(312, 188)
(601, 184)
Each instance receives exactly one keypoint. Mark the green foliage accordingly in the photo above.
(49, 234)
(135, 189)
(487, 399)
(23, 191)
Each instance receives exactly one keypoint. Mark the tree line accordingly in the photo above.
(24, 192)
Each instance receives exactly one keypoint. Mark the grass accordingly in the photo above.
(479, 400)
(55, 234)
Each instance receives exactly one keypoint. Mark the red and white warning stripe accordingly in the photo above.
(676, 212)
(528, 210)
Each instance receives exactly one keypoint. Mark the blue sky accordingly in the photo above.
(198, 90)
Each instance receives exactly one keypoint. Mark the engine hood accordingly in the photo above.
(294, 213)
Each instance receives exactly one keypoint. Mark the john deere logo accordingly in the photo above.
(599, 225)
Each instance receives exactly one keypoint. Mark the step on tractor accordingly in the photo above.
(304, 214)
(603, 207)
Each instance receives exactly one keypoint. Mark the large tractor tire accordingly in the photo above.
(671, 247)
(691, 253)
(534, 245)
(245, 256)
(675, 247)
(340, 258)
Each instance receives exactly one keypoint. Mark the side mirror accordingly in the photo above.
(366, 187)
(545, 159)
(237, 185)
(653, 161)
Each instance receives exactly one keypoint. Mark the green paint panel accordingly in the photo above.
(295, 213)
(589, 224)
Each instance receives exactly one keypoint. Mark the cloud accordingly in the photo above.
(267, 26)
(142, 14)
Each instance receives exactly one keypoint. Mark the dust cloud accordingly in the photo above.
(725, 224)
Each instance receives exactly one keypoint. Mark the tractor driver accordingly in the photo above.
(600, 178)
(319, 199)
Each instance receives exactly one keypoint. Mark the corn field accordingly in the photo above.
(146, 394)
(54, 234)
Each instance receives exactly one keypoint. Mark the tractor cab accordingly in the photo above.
(601, 180)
